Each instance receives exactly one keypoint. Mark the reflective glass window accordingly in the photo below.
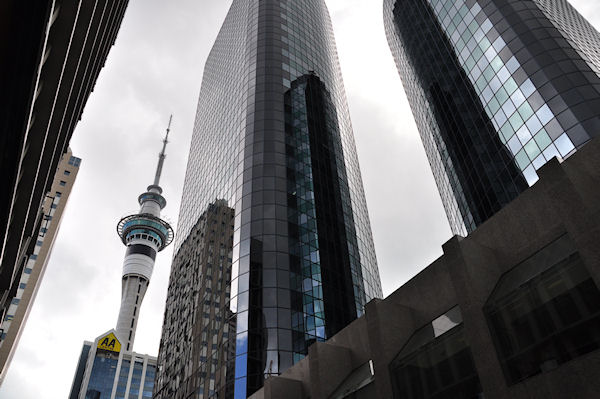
(102, 376)
(544, 312)
(436, 362)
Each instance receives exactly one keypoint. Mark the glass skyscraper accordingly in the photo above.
(497, 88)
(273, 142)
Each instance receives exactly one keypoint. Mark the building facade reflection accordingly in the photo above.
(497, 90)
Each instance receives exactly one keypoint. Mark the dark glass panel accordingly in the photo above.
(544, 312)
(442, 368)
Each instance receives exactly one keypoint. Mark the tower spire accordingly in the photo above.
(162, 155)
(144, 234)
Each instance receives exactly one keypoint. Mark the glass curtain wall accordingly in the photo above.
(497, 89)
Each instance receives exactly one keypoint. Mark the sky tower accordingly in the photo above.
(144, 234)
(108, 367)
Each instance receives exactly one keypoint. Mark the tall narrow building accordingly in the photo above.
(108, 368)
(13, 323)
(497, 88)
(272, 141)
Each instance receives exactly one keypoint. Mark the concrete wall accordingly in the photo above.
(565, 200)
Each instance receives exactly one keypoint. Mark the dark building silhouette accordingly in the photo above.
(273, 138)
(51, 55)
(497, 88)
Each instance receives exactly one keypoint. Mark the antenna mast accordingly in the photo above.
(162, 155)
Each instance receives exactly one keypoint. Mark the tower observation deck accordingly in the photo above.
(144, 234)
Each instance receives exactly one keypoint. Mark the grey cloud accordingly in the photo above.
(155, 69)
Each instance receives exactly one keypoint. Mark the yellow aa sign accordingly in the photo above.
(110, 343)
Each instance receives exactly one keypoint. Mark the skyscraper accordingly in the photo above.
(497, 88)
(108, 368)
(13, 324)
(199, 326)
(273, 140)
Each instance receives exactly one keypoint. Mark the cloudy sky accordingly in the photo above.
(154, 69)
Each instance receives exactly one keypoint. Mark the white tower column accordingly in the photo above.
(144, 234)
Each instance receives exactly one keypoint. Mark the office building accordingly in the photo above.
(273, 139)
(199, 327)
(51, 53)
(13, 323)
(108, 368)
(510, 312)
(497, 89)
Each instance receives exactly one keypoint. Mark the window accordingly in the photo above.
(74, 161)
(544, 312)
(102, 375)
(67, 172)
(63, 183)
(436, 362)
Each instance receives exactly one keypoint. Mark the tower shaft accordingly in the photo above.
(144, 234)
(132, 294)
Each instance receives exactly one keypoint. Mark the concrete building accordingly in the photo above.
(198, 337)
(51, 53)
(13, 323)
(510, 312)
(108, 368)
(497, 89)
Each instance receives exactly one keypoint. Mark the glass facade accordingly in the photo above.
(122, 382)
(148, 386)
(136, 379)
(496, 91)
(102, 376)
(273, 138)
(437, 363)
(79, 372)
(544, 312)
(127, 374)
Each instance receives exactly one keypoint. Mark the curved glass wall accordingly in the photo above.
(496, 93)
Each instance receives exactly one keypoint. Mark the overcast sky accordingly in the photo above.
(154, 69)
